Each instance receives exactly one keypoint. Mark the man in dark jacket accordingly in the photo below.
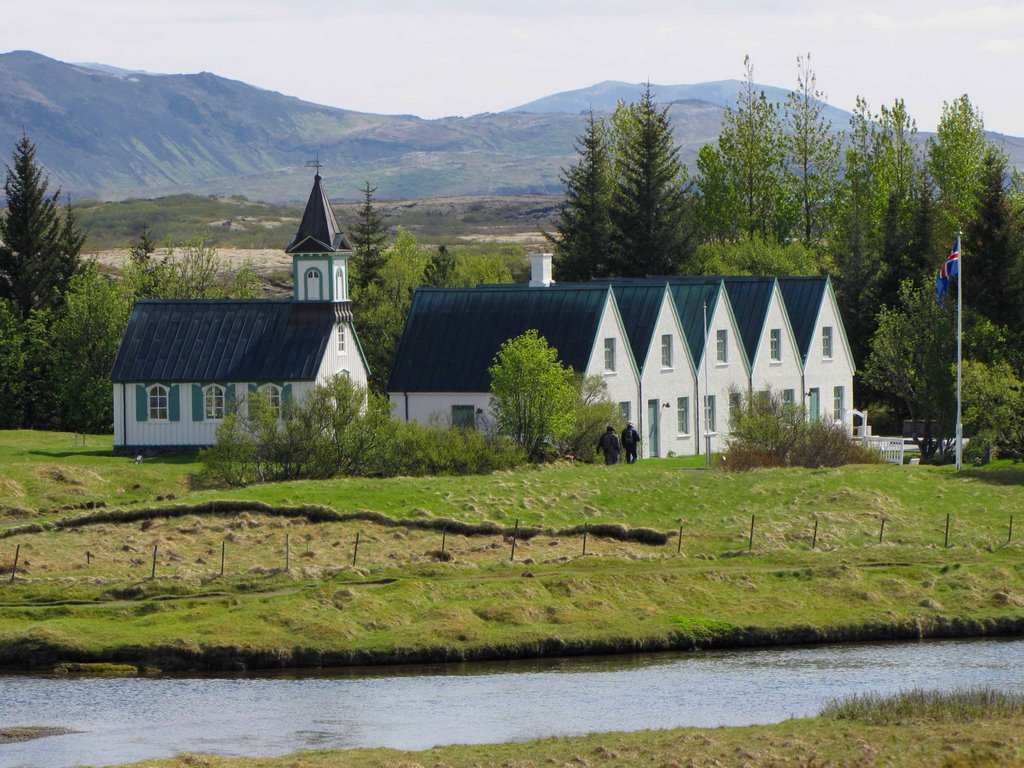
(608, 444)
(630, 442)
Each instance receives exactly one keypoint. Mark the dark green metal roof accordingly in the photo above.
(639, 305)
(452, 335)
(217, 340)
(749, 297)
(319, 231)
(690, 294)
(803, 297)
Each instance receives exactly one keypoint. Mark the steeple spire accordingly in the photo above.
(320, 251)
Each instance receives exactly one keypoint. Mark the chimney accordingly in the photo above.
(540, 270)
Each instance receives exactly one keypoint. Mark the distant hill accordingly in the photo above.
(108, 133)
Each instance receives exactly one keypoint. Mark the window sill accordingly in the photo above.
(775, 363)
(610, 373)
(667, 370)
(722, 365)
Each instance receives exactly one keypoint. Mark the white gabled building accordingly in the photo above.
(827, 361)
(674, 351)
(183, 365)
(452, 335)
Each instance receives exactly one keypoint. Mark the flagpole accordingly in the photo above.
(959, 355)
(707, 425)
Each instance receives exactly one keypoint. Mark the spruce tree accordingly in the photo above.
(39, 243)
(649, 201)
(583, 240)
(369, 240)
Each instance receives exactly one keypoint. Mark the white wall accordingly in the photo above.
(624, 381)
(667, 385)
(721, 377)
(426, 407)
(350, 360)
(827, 373)
(785, 373)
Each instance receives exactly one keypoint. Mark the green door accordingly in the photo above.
(814, 405)
(653, 417)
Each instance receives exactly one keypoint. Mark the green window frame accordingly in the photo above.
(626, 410)
(683, 415)
(709, 414)
(776, 345)
(826, 342)
(722, 346)
(609, 355)
(464, 416)
(666, 350)
(838, 406)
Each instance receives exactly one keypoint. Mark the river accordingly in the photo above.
(129, 719)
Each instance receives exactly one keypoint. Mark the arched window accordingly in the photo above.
(340, 293)
(157, 403)
(213, 397)
(273, 394)
(314, 287)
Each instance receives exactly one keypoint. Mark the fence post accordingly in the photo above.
(1009, 535)
(223, 544)
(14, 569)
(679, 543)
(881, 530)
(945, 542)
(750, 544)
(515, 535)
(287, 552)
(152, 573)
(814, 539)
(444, 535)
(585, 538)
(355, 550)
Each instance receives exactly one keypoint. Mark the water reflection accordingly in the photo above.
(418, 707)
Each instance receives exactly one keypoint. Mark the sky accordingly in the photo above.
(434, 58)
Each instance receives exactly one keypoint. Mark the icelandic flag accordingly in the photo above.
(949, 269)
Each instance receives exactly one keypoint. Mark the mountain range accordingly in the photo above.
(108, 133)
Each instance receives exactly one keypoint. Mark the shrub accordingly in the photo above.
(593, 413)
(766, 432)
(341, 429)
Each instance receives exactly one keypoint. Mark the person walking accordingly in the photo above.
(630, 442)
(608, 444)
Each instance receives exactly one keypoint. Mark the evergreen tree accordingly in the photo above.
(440, 270)
(583, 240)
(369, 238)
(39, 244)
(813, 154)
(649, 202)
(993, 251)
(753, 147)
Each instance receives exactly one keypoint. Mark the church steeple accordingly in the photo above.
(320, 252)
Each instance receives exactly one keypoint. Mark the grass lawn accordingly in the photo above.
(90, 592)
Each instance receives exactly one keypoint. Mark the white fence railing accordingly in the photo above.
(889, 448)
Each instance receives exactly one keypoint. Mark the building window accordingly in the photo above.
(722, 346)
(826, 342)
(837, 404)
(666, 350)
(789, 397)
(683, 415)
(735, 403)
(464, 416)
(158, 403)
(609, 355)
(273, 394)
(709, 413)
(625, 410)
(776, 344)
(341, 339)
(213, 402)
(314, 290)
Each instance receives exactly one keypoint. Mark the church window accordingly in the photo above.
(314, 290)
(273, 394)
(158, 403)
(213, 398)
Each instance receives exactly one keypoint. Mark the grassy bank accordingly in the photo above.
(434, 576)
(919, 729)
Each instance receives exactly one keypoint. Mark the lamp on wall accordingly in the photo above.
(666, 405)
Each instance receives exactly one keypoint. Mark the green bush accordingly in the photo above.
(767, 432)
(340, 429)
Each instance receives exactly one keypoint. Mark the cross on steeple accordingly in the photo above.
(315, 164)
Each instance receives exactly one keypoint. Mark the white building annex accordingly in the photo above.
(693, 343)
(184, 365)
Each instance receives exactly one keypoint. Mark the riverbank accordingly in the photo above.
(557, 560)
(976, 729)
